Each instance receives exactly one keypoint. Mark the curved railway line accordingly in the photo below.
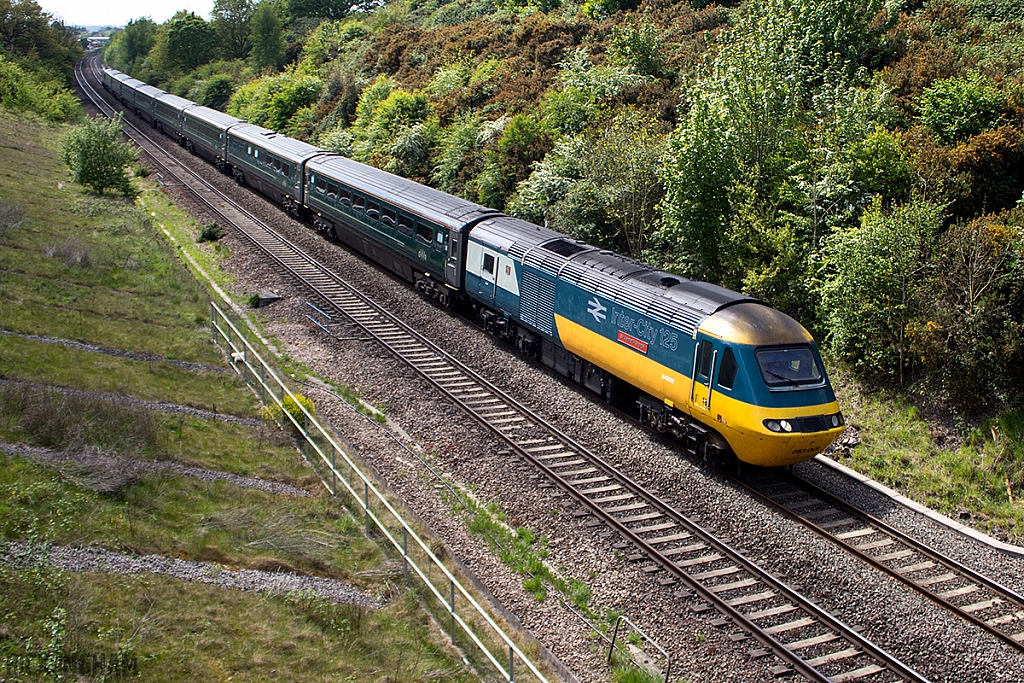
(671, 548)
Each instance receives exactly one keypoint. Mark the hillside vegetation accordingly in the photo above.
(858, 164)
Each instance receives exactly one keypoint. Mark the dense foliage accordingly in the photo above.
(856, 163)
(37, 56)
(97, 157)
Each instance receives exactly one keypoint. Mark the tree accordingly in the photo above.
(873, 282)
(97, 157)
(20, 22)
(231, 20)
(268, 45)
(191, 41)
(322, 9)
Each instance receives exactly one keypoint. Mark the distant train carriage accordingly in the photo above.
(269, 162)
(204, 132)
(413, 230)
(168, 113)
(145, 102)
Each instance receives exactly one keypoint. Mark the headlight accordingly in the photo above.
(773, 425)
(835, 420)
(786, 426)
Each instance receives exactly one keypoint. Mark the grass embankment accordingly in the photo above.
(978, 480)
(96, 270)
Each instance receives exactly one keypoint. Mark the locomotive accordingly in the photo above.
(728, 376)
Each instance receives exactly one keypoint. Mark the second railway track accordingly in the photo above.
(804, 637)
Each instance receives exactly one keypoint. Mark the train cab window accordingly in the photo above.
(704, 362)
(727, 375)
(345, 198)
(388, 218)
(373, 211)
(405, 225)
(489, 263)
(332, 190)
(358, 203)
(788, 366)
(424, 233)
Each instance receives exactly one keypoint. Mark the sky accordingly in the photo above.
(120, 12)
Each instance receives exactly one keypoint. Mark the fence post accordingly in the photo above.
(334, 473)
(366, 505)
(405, 554)
(263, 384)
(511, 665)
(451, 584)
(305, 436)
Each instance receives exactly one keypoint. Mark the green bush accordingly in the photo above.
(211, 232)
(97, 158)
(24, 90)
(954, 109)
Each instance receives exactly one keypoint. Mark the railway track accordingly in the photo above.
(963, 591)
(803, 637)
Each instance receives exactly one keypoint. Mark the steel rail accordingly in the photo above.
(921, 573)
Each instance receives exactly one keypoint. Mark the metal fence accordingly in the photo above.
(467, 615)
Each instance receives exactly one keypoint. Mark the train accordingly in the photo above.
(731, 378)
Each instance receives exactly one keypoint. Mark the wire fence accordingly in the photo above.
(468, 619)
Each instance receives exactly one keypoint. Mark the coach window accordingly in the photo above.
(332, 190)
(345, 198)
(405, 225)
(388, 218)
(277, 164)
(358, 203)
(373, 211)
(424, 233)
(727, 375)
(489, 263)
(321, 185)
(286, 170)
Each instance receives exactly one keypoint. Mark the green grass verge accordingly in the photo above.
(983, 477)
(98, 270)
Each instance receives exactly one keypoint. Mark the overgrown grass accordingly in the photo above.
(521, 550)
(98, 270)
(980, 480)
(156, 628)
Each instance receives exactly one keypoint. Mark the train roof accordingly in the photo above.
(151, 90)
(211, 116)
(434, 205)
(282, 145)
(670, 298)
(179, 103)
(122, 76)
(134, 83)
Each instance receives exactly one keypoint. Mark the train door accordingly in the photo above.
(705, 357)
(452, 272)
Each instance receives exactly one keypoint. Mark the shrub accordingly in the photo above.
(211, 232)
(97, 158)
(274, 413)
(954, 109)
(11, 216)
